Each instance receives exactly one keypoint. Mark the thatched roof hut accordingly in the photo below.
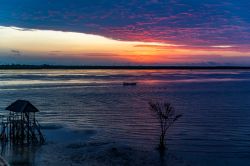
(21, 126)
(22, 106)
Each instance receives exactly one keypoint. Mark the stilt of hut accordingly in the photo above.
(21, 126)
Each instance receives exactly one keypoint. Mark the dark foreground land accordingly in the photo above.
(19, 66)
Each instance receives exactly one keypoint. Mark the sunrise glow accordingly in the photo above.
(17, 43)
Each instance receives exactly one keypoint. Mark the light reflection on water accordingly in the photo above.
(215, 105)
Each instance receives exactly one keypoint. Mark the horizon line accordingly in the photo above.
(47, 66)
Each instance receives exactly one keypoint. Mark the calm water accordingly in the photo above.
(214, 129)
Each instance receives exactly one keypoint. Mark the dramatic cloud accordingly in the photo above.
(204, 22)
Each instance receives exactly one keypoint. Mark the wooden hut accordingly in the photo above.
(21, 126)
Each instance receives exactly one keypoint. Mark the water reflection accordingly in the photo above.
(11, 78)
(18, 155)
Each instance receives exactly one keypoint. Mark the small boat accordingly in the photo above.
(129, 83)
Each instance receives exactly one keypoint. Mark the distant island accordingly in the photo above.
(45, 66)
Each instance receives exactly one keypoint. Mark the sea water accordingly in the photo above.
(93, 105)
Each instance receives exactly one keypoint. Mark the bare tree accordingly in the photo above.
(166, 115)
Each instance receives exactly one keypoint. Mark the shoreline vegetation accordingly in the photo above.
(45, 66)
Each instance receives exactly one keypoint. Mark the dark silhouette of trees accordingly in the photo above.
(48, 66)
(166, 115)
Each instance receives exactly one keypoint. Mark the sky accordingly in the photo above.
(125, 32)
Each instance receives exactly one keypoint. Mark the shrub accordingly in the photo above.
(166, 115)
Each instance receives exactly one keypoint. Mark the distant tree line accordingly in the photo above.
(46, 66)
